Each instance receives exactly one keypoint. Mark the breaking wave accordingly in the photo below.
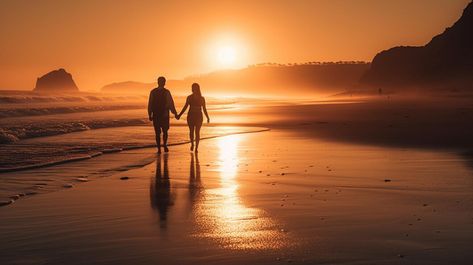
(16, 133)
(21, 112)
(18, 98)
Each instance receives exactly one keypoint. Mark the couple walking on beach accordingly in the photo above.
(161, 103)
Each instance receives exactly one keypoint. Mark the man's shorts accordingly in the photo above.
(161, 123)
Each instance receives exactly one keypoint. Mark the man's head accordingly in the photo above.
(161, 81)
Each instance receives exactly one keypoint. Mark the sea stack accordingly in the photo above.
(57, 80)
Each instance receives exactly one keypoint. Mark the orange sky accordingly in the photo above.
(106, 41)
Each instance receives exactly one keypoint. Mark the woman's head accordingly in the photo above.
(196, 89)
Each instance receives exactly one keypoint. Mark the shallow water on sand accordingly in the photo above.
(83, 145)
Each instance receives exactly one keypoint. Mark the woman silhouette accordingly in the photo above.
(194, 117)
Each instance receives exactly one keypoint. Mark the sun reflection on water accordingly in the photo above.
(224, 218)
(228, 157)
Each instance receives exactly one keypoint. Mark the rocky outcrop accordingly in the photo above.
(446, 59)
(58, 80)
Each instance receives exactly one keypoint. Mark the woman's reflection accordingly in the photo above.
(195, 185)
(160, 191)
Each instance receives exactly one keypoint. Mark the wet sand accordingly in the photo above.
(263, 198)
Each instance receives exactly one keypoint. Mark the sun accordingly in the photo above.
(226, 56)
(225, 51)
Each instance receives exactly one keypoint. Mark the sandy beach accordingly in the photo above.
(260, 198)
(236, 132)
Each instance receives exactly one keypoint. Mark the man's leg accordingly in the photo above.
(165, 127)
(165, 139)
(157, 132)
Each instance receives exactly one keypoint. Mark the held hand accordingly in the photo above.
(177, 116)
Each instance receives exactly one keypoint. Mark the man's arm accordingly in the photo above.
(171, 104)
(150, 106)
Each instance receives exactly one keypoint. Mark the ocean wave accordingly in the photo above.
(7, 137)
(20, 112)
(88, 152)
(16, 133)
(26, 98)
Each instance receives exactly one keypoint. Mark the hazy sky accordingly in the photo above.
(101, 41)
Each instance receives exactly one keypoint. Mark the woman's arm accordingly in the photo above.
(205, 110)
(183, 109)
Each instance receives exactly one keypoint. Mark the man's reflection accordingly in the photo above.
(160, 190)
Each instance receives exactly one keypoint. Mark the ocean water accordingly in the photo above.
(44, 131)
(38, 131)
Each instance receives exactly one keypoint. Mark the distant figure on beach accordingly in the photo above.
(196, 102)
(159, 104)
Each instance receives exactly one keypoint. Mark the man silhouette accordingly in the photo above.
(159, 104)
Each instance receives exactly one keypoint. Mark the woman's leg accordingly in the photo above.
(191, 136)
(197, 137)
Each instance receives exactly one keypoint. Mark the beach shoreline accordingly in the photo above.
(261, 198)
(380, 121)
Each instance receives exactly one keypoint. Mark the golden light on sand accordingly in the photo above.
(228, 147)
(225, 218)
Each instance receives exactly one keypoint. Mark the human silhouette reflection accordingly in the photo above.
(160, 190)
(195, 184)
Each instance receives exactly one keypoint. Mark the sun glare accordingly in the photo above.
(227, 55)
(225, 218)
(225, 51)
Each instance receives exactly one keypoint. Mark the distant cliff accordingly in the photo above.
(264, 79)
(58, 80)
(286, 79)
(128, 86)
(447, 60)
